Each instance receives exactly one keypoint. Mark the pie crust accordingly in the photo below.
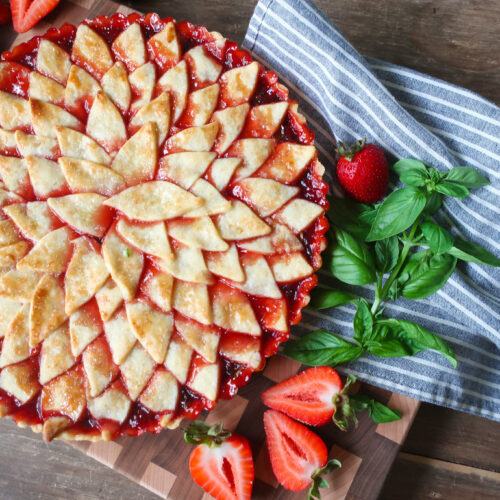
(162, 218)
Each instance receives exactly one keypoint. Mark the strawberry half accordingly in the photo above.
(26, 13)
(4, 13)
(221, 463)
(298, 456)
(315, 396)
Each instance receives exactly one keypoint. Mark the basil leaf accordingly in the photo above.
(351, 260)
(377, 332)
(363, 321)
(350, 215)
(356, 247)
(426, 280)
(322, 298)
(348, 268)
(359, 402)
(467, 176)
(322, 348)
(382, 414)
(398, 212)
(413, 178)
(406, 164)
(470, 252)
(435, 175)
(368, 217)
(392, 348)
(433, 203)
(451, 189)
(394, 291)
(424, 339)
(386, 254)
(417, 260)
(439, 240)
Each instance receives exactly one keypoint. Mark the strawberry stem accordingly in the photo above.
(348, 152)
(320, 482)
(200, 432)
(343, 409)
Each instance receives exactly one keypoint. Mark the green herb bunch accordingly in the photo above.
(398, 248)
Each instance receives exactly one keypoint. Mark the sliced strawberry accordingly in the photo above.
(222, 463)
(4, 13)
(316, 396)
(298, 456)
(26, 13)
(308, 397)
(18, 8)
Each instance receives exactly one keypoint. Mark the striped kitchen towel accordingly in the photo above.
(346, 96)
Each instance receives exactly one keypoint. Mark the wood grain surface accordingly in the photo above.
(367, 452)
(447, 454)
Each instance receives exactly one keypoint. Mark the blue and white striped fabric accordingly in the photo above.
(409, 114)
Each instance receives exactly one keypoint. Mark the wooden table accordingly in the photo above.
(447, 454)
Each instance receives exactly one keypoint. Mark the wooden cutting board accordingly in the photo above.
(160, 462)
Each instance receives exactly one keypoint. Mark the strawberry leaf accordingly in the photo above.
(344, 412)
(348, 152)
(320, 482)
(200, 432)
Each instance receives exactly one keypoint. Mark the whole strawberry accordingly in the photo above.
(362, 171)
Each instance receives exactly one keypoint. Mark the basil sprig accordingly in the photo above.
(398, 248)
(379, 336)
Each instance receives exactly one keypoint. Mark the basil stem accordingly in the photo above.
(381, 295)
